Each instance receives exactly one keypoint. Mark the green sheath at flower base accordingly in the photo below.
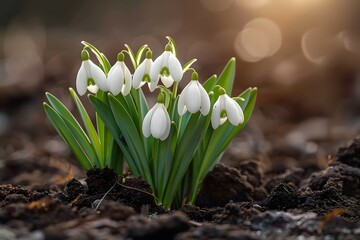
(149, 54)
(160, 98)
(221, 91)
(120, 57)
(168, 47)
(195, 76)
(85, 55)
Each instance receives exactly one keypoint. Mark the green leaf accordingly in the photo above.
(226, 78)
(188, 64)
(116, 158)
(210, 83)
(131, 135)
(106, 114)
(61, 109)
(222, 136)
(64, 131)
(132, 56)
(173, 44)
(90, 129)
(164, 163)
(105, 65)
(184, 153)
(140, 53)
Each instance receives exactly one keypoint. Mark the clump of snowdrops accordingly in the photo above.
(172, 144)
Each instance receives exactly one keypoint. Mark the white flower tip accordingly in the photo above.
(175, 68)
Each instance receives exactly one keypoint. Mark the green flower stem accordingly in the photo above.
(175, 88)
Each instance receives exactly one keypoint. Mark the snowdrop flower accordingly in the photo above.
(89, 74)
(119, 77)
(194, 98)
(142, 72)
(168, 67)
(157, 121)
(226, 108)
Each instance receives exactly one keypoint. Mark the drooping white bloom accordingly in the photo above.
(119, 77)
(142, 72)
(89, 72)
(168, 66)
(157, 122)
(194, 98)
(226, 108)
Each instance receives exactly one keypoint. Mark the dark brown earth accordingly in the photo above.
(235, 203)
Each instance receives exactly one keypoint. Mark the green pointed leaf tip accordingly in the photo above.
(227, 76)
(174, 168)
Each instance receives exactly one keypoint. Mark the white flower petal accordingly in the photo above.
(165, 59)
(155, 69)
(232, 111)
(115, 79)
(223, 120)
(93, 88)
(148, 65)
(205, 100)
(139, 74)
(158, 122)
(222, 101)
(193, 97)
(175, 68)
(181, 103)
(168, 124)
(215, 115)
(81, 80)
(99, 76)
(86, 64)
(146, 123)
(167, 81)
(153, 85)
(128, 81)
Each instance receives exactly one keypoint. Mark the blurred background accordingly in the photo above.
(303, 55)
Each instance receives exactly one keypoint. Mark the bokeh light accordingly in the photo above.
(317, 45)
(259, 39)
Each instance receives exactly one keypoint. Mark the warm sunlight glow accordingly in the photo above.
(216, 5)
(251, 4)
(259, 39)
(317, 45)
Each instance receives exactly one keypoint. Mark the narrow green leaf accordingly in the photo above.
(132, 56)
(210, 83)
(100, 57)
(226, 78)
(58, 106)
(140, 53)
(90, 129)
(131, 135)
(165, 154)
(222, 136)
(185, 150)
(107, 63)
(188, 64)
(68, 137)
(106, 114)
(173, 44)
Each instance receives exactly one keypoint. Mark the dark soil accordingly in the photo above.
(235, 203)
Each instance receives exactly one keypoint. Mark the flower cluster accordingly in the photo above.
(172, 145)
(166, 67)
